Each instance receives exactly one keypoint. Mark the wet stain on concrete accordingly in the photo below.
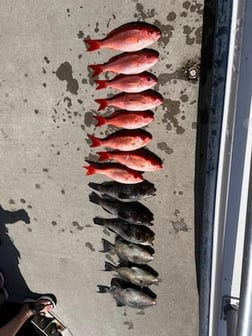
(172, 109)
(46, 60)
(45, 170)
(96, 27)
(69, 101)
(178, 224)
(142, 13)
(54, 223)
(187, 30)
(11, 201)
(65, 73)
(164, 147)
(167, 32)
(37, 186)
(80, 34)
(22, 200)
(184, 98)
(77, 225)
(198, 35)
(166, 77)
(36, 111)
(186, 5)
(171, 16)
(90, 246)
(29, 229)
(89, 119)
(129, 324)
(141, 312)
(194, 125)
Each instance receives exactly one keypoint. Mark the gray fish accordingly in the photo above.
(138, 234)
(134, 274)
(134, 253)
(128, 296)
(125, 192)
(133, 212)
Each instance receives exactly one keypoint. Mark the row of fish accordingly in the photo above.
(120, 197)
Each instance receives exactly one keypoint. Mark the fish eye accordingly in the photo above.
(148, 79)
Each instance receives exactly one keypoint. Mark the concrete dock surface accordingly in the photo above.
(48, 240)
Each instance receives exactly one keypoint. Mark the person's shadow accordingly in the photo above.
(9, 256)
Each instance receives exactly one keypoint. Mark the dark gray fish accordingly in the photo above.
(125, 192)
(133, 212)
(134, 253)
(125, 295)
(134, 274)
(138, 234)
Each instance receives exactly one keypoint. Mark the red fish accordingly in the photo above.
(128, 37)
(141, 159)
(128, 63)
(132, 101)
(115, 171)
(129, 83)
(126, 119)
(124, 140)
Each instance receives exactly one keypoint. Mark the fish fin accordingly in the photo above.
(98, 220)
(97, 69)
(92, 44)
(94, 185)
(90, 170)
(101, 84)
(103, 156)
(108, 197)
(109, 267)
(95, 141)
(101, 121)
(94, 198)
(103, 103)
(107, 246)
(102, 289)
(119, 303)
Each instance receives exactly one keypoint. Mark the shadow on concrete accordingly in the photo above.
(10, 256)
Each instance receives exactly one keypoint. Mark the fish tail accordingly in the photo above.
(97, 69)
(98, 220)
(94, 198)
(92, 44)
(101, 84)
(103, 156)
(90, 170)
(103, 103)
(101, 121)
(107, 246)
(95, 141)
(109, 267)
(94, 186)
(102, 289)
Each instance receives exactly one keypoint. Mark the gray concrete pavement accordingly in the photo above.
(46, 106)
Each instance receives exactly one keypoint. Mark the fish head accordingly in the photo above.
(154, 33)
(147, 189)
(153, 97)
(148, 79)
(150, 57)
